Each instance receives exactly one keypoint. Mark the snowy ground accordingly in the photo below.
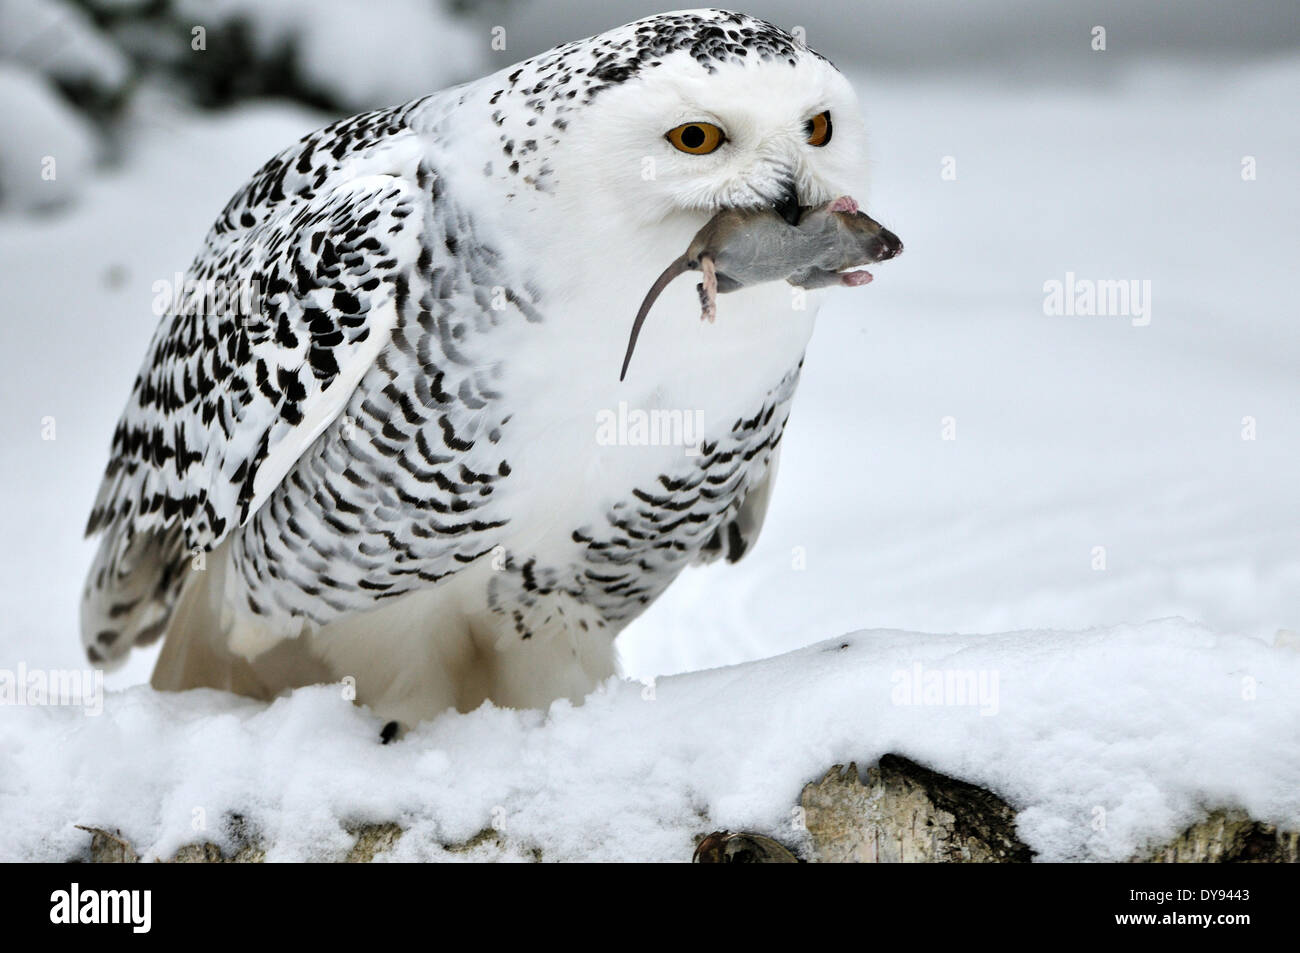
(1072, 433)
(1106, 740)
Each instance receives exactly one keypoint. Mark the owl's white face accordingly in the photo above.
(681, 139)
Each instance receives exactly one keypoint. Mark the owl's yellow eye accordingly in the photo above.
(819, 129)
(697, 138)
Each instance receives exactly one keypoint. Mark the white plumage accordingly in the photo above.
(388, 467)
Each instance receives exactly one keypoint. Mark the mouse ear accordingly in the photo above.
(679, 266)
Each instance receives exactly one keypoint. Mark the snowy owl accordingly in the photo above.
(409, 464)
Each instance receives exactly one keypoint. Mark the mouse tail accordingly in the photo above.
(678, 267)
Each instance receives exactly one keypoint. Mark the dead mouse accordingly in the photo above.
(738, 248)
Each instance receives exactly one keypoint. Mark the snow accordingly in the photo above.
(1072, 433)
(59, 40)
(48, 151)
(339, 49)
(1142, 726)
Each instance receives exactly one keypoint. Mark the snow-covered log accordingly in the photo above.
(900, 813)
(1161, 741)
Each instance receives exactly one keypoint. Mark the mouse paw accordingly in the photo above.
(844, 203)
(708, 288)
(708, 304)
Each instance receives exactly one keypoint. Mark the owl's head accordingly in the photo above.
(687, 112)
(783, 130)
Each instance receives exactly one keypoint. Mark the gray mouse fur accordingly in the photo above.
(738, 248)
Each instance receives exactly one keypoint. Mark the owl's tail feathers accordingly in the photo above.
(130, 592)
(193, 654)
(196, 651)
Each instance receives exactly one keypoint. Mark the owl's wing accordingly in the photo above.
(294, 295)
(737, 535)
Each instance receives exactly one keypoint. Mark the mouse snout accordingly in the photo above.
(884, 245)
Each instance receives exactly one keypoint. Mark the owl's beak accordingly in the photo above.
(787, 206)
